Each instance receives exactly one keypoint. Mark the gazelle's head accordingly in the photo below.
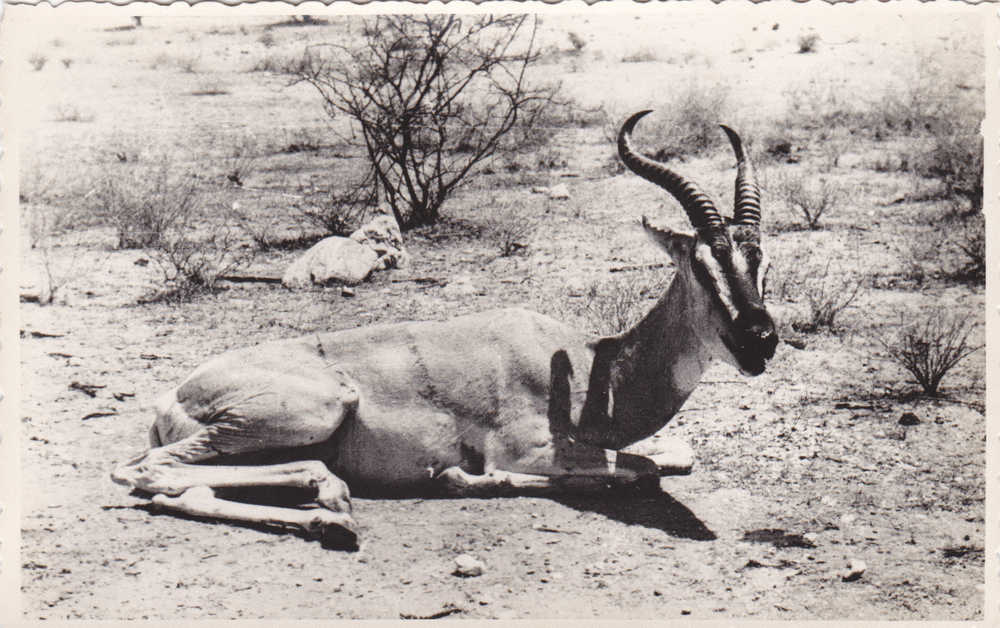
(722, 262)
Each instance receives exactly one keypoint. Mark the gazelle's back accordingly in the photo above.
(421, 393)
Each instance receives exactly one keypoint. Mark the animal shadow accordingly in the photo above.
(650, 508)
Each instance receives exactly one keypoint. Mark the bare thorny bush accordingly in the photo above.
(810, 197)
(432, 97)
(143, 202)
(159, 209)
(825, 290)
(931, 346)
(508, 228)
(192, 266)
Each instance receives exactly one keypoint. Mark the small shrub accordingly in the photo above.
(930, 347)
(812, 197)
(191, 266)
(67, 62)
(336, 211)
(241, 160)
(578, 42)
(37, 61)
(71, 113)
(262, 229)
(643, 55)
(686, 125)
(188, 63)
(826, 294)
(970, 239)
(143, 203)
(807, 42)
(956, 160)
(508, 228)
(614, 305)
(267, 39)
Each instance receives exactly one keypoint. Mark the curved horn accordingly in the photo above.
(747, 196)
(700, 209)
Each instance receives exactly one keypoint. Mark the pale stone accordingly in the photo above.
(334, 259)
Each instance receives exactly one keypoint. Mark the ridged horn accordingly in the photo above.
(747, 194)
(701, 211)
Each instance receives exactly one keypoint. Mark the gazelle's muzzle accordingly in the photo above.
(753, 340)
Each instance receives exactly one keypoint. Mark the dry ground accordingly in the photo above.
(799, 471)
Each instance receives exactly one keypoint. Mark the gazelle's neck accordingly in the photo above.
(645, 374)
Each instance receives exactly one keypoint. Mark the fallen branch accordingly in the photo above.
(451, 610)
(622, 269)
(94, 415)
(44, 334)
(153, 356)
(88, 389)
(249, 279)
(421, 280)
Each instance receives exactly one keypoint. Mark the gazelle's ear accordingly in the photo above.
(677, 244)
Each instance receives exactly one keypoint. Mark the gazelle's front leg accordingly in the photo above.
(672, 456)
(621, 470)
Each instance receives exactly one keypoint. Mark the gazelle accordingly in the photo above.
(498, 402)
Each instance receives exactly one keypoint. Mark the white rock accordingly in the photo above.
(382, 235)
(855, 569)
(559, 192)
(333, 259)
(468, 566)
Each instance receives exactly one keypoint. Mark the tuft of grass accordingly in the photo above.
(931, 346)
(808, 42)
(37, 61)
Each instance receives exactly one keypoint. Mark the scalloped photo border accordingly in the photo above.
(14, 14)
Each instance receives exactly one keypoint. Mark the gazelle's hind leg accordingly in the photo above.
(187, 488)
(255, 424)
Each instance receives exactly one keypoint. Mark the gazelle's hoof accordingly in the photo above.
(335, 530)
(337, 536)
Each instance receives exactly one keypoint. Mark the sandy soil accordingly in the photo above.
(799, 471)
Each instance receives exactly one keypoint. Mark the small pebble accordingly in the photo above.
(346, 292)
